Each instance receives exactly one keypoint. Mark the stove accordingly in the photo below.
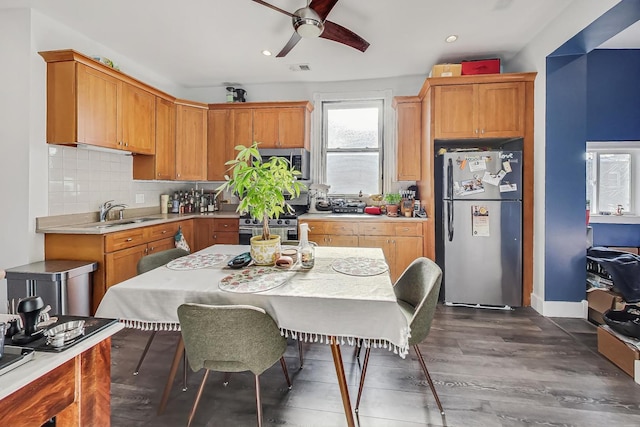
(286, 227)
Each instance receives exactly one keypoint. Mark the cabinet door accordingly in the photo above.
(242, 129)
(292, 127)
(137, 119)
(409, 146)
(161, 245)
(97, 96)
(191, 143)
(226, 238)
(383, 242)
(203, 234)
(406, 250)
(219, 138)
(501, 109)
(165, 158)
(122, 265)
(266, 127)
(454, 113)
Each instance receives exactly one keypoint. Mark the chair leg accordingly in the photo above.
(358, 348)
(198, 396)
(364, 372)
(426, 373)
(285, 371)
(184, 371)
(225, 381)
(144, 352)
(300, 353)
(258, 401)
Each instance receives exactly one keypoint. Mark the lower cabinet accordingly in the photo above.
(215, 231)
(117, 253)
(401, 242)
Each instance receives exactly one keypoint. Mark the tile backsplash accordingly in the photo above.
(81, 179)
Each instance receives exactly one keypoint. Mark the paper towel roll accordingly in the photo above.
(164, 203)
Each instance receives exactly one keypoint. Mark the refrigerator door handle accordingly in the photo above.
(450, 180)
(450, 219)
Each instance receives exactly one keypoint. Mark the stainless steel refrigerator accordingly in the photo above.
(482, 228)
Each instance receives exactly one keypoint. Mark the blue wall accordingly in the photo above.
(579, 110)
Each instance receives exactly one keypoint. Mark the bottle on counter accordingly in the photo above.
(307, 252)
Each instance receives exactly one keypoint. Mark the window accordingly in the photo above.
(352, 141)
(610, 184)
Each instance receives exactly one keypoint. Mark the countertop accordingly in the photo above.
(44, 362)
(329, 216)
(127, 223)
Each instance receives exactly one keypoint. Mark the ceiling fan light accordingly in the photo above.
(307, 23)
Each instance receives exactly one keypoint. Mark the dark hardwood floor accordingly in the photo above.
(490, 368)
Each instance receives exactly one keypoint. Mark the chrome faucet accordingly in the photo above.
(106, 207)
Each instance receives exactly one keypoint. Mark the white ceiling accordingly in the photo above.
(197, 43)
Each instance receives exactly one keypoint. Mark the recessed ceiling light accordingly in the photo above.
(451, 38)
(266, 52)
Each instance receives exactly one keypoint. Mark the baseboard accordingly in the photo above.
(578, 310)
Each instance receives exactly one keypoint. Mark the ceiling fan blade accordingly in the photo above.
(295, 38)
(322, 7)
(340, 34)
(270, 6)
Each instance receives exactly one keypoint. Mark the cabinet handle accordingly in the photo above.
(178, 175)
(129, 239)
(126, 144)
(163, 232)
(482, 131)
(151, 249)
(119, 142)
(476, 131)
(146, 251)
(225, 225)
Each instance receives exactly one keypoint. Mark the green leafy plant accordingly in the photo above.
(261, 186)
(392, 198)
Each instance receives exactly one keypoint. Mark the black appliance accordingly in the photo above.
(299, 158)
(286, 227)
(347, 206)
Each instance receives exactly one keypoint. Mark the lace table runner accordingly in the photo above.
(255, 279)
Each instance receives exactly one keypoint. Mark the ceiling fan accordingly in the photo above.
(311, 21)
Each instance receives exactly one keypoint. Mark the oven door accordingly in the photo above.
(285, 233)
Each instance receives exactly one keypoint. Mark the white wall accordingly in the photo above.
(578, 15)
(16, 229)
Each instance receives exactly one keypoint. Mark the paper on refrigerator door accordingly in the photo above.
(480, 221)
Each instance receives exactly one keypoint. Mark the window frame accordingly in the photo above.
(631, 148)
(389, 142)
(377, 103)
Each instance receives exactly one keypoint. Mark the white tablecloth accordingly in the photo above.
(312, 306)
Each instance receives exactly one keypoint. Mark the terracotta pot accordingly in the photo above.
(392, 210)
(265, 252)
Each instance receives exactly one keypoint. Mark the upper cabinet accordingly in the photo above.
(90, 103)
(191, 141)
(409, 133)
(162, 165)
(282, 125)
(226, 129)
(482, 110)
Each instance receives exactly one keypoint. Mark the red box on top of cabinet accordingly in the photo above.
(481, 66)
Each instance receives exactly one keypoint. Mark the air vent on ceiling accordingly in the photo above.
(300, 67)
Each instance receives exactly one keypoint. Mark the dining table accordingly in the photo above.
(346, 298)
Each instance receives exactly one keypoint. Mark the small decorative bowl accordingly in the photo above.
(59, 335)
(290, 252)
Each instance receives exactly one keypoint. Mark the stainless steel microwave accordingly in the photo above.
(298, 157)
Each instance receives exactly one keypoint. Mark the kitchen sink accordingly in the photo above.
(119, 223)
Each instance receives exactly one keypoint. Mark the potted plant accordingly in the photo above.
(261, 187)
(393, 201)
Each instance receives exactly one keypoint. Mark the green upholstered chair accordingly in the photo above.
(417, 292)
(231, 338)
(148, 263)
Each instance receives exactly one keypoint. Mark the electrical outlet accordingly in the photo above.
(139, 198)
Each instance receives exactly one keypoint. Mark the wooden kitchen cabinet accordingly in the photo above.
(402, 242)
(486, 110)
(117, 253)
(90, 103)
(215, 231)
(409, 137)
(191, 141)
(162, 165)
(286, 126)
(226, 128)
